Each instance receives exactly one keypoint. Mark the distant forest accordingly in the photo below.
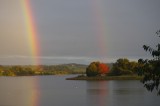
(120, 67)
(29, 70)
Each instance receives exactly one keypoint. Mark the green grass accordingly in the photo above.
(106, 78)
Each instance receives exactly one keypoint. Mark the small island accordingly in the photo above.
(123, 69)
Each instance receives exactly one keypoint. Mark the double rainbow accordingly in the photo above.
(35, 46)
(98, 20)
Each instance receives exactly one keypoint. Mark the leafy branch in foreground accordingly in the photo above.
(150, 69)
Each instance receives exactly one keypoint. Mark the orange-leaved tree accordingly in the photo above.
(97, 68)
(103, 68)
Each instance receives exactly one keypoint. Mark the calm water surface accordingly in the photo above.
(56, 91)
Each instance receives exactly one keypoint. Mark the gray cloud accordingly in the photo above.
(68, 30)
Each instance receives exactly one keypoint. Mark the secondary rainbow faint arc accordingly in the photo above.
(31, 31)
(100, 26)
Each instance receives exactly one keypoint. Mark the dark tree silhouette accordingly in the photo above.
(150, 69)
(123, 67)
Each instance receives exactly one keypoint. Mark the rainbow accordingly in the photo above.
(33, 96)
(32, 92)
(100, 27)
(31, 31)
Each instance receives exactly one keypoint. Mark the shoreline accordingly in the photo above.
(105, 78)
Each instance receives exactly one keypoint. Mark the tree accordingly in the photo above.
(103, 69)
(123, 67)
(96, 68)
(1, 71)
(8, 73)
(150, 69)
(92, 69)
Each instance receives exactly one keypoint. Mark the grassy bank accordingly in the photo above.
(106, 78)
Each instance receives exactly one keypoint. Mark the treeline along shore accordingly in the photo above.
(122, 69)
(31, 70)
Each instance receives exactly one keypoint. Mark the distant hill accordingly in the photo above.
(74, 65)
(71, 67)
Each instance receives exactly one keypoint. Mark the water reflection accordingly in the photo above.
(97, 92)
(127, 88)
(19, 91)
(56, 91)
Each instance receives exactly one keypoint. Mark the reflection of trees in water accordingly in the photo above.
(97, 92)
(127, 88)
(119, 93)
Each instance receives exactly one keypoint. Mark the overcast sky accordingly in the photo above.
(79, 31)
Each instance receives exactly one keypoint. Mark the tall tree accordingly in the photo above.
(150, 69)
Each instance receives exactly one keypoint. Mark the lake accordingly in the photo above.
(56, 91)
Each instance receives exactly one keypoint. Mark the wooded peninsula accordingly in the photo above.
(122, 67)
